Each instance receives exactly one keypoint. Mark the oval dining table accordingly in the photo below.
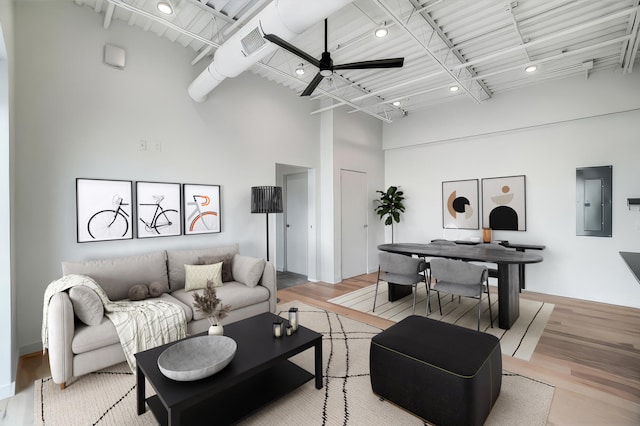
(508, 272)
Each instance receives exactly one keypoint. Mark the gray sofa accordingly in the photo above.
(76, 348)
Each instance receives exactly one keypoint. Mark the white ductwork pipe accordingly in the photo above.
(284, 18)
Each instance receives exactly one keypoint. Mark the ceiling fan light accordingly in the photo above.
(165, 7)
(454, 88)
(300, 69)
(531, 68)
(326, 73)
(382, 31)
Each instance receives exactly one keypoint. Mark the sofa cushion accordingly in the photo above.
(232, 293)
(117, 275)
(227, 275)
(138, 292)
(197, 276)
(176, 259)
(247, 270)
(86, 305)
(158, 288)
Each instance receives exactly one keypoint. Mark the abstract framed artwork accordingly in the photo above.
(460, 204)
(158, 207)
(504, 203)
(201, 206)
(103, 209)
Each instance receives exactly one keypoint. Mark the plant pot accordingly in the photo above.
(216, 330)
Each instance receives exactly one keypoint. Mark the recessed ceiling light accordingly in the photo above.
(454, 88)
(382, 31)
(165, 7)
(396, 103)
(531, 68)
(300, 69)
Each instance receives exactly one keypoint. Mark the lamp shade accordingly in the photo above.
(266, 199)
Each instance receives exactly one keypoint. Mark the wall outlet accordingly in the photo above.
(142, 145)
(157, 146)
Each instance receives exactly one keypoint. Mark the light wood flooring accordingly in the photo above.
(589, 351)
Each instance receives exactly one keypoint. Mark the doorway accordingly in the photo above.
(296, 223)
(354, 223)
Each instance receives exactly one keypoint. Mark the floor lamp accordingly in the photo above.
(266, 199)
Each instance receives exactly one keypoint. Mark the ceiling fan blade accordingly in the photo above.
(312, 86)
(377, 63)
(291, 48)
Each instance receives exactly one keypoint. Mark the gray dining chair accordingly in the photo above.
(460, 278)
(403, 270)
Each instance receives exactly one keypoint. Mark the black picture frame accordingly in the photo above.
(460, 204)
(103, 210)
(201, 209)
(158, 209)
(504, 203)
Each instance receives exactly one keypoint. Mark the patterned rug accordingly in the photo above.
(519, 341)
(108, 397)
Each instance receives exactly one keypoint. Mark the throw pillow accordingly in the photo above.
(86, 305)
(196, 276)
(138, 292)
(247, 270)
(227, 275)
(158, 288)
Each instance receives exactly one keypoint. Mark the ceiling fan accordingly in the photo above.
(325, 64)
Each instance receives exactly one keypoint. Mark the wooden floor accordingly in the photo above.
(589, 351)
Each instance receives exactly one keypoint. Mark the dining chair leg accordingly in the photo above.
(489, 299)
(415, 292)
(429, 299)
(375, 296)
(439, 304)
(427, 281)
(479, 308)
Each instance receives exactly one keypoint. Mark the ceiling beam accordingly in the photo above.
(423, 11)
(550, 37)
(427, 50)
(324, 92)
(169, 24)
(108, 15)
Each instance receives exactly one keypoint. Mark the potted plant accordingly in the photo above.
(208, 303)
(390, 206)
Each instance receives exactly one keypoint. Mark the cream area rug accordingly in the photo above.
(108, 397)
(519, 341)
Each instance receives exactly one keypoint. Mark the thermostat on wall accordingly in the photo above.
(114, 56)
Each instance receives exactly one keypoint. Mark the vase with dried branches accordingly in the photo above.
(208, 303)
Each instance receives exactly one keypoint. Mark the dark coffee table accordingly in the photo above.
(259, 373)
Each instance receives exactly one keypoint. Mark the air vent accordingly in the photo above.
(252, 42)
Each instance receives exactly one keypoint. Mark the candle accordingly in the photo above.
(289, 330)
(293, 318)
(277, 329)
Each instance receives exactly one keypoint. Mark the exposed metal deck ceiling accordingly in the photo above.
(481, 46)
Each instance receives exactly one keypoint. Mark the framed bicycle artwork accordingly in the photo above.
(201, 207)
(103, 209)
(158, 207)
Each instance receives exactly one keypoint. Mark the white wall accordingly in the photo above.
(544, 133)
(79, 118)
(358, 147)
(8, 345)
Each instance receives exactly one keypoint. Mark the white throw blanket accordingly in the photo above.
(140, 325)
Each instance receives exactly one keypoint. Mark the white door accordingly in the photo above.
(296, 223)
(353, 194)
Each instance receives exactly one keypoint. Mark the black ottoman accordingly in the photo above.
(443, 373)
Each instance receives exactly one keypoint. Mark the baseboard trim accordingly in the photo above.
(31, 348)
(8, 390)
